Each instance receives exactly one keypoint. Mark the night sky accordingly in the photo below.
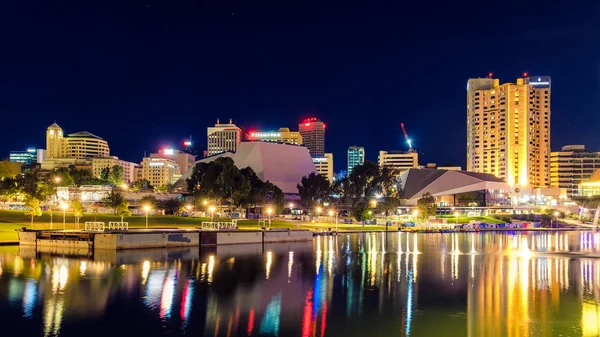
(148, 74)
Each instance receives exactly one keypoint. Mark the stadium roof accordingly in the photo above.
(282, 164)
(416, 182)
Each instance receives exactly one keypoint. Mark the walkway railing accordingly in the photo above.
(94, 226)
(123, 226)
(219, 225)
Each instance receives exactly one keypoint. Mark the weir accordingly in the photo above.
(152, 238)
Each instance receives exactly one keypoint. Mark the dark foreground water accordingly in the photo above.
(354, 285)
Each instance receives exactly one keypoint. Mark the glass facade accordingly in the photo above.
(27, 157)
(356, 156)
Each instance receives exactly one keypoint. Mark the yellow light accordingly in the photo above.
(64, 206)
(291, 205)
(57, 179)
(146, 208)
(330, 213)
(124, 186)
(556, 213)
(211, 208)
(319, 209)
(370, 212)
(269, 210)
(415, 212)
(373, 203)
(205, 202)
(456, 214)
(188, 207)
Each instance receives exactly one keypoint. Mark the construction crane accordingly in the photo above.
(410, 148)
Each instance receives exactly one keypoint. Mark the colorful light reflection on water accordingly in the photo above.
(399, 284)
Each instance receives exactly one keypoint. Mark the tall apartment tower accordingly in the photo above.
(508, 129)
(223, 138)
(356, 156)
(312, 131)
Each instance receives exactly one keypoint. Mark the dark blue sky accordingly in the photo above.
(146, 74)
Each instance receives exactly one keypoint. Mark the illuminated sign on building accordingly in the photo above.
(168, 151)
(265, 134)
(319, 160)
(156, 164)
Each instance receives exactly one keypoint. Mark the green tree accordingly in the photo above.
(149, 200)
(142, 184)
(30, 184)
(33, 208)
(123, 210)
(8, 189)
(77, 208)
(116, 176)
(426, 206)
(9, 169)
(171, 205)
(114, 199)
(362, 211)
(105, 175)
(163, 188)
(63, 177)
(312, 189)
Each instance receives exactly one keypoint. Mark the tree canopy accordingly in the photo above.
(114, 200)
(426, 206)
(313, 189)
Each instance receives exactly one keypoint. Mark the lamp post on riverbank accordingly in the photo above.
(147, 210)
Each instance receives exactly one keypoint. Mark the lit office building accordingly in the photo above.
(324, 166)
(26, 157)
(283, 135)
(184, 160)
(160, 171)
(398, 160)
(356, 156)
(572, 166)
(508, 129)
(100, 163)
(75, 149)
(223, 138)
(312, 131)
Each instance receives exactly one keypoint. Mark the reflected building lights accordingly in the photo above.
(82, 268)
(271, 320)
(186, 300)
(145, 271)
(168, 292)
(268, 265)
(53, 315)
(211, 267)
(290, 265)
(29, 298)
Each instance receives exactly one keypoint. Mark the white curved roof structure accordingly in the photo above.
(416, 182)
(282, 164)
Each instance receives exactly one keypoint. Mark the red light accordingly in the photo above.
(323, 125)
(252, 134)
(525, 74)
(187, 143)
(306, 124)
(490, 75)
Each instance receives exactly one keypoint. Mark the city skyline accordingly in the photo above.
(350, 68)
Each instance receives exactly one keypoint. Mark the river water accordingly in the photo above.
(395, 284)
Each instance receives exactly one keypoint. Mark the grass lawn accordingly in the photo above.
(13, 220)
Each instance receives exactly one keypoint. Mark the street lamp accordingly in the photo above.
(211, 209)
(147, 210)
(319, 209)
(269, 211)
(456, 217)
(188, 207)
(64, 207)
(124, 186)
(57, 181)
(291, 205)
(336, 219)
(556, 214)
(415, 213)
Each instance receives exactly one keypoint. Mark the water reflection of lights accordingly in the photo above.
(29, 296)
(318, 259)
(290, 265)
(270, 322)
(154, 287)
(59, 278)
(590, 319)
(186, 300)
(168, 292)
(53, 315)
(145, 271)
(268, 265)
(82, 268)
(211, 267)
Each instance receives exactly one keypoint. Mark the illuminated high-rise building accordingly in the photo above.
(508, 129)
(572, 166)
(223, 138)
(312, 131)
(356, 156)
(324, 166)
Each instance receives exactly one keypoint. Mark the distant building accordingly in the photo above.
(26, 157)
(572, 166)
(340, 175)
(591, 186)
(185, 161)
(447, 168)
(283, 135)
(75, 149)
(356, 156)
(100, 163)
(324, 166)
(282, 164)
(508, 129)
(160, 171)
(223, 138)
(312, 131)
(398, 160)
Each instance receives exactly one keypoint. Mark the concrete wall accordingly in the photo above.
(238, 237)
(27, 238)
(287, 236)
(70, 244)
(146, 240)
(105, 241)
